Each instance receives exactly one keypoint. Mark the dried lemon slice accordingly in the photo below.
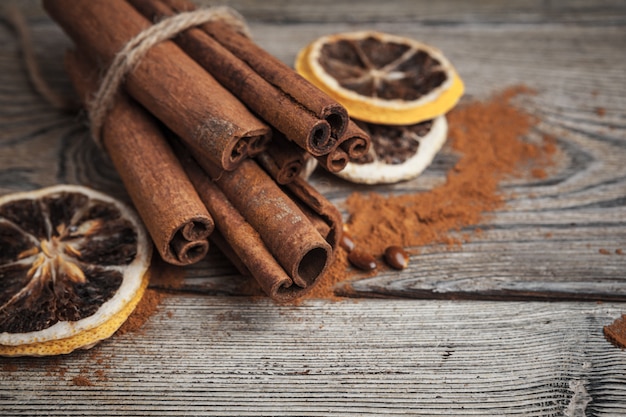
(382, 78)
(73, 266)
(398, 153)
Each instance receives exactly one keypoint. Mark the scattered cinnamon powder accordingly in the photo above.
(81, 381)
(489, 140)
(616, 332)
(162, 275)
(146, 308)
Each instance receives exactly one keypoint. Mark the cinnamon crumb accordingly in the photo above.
(9, 367)
(81, 381)
(604, 251)
(539, 173)
(146, 308)
(616, 332)
(600, 111)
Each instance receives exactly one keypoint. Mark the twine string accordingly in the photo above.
(135, 49)
(124, 61)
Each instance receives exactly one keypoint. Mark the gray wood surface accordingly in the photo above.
(210, 351)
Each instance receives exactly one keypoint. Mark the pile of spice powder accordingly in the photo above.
(488, 138)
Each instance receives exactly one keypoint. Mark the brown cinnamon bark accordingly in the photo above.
(275, 72)
(286, 231)
(351, 146)
(166, 81)
(300, 189)
(254, 232)
(282, 159)
(355, 141)
(335, 161)
(167, 202)
(278, 109)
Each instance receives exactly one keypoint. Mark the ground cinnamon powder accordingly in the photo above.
(616, 332)
(489, 138)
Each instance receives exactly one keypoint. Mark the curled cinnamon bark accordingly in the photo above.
(351, 146)
(274, 106)
(280, 76)
(260, 227)
(166, 81)
(355, 141)
(240, 241)
(167, 202)
(289, 235)
(282, 159)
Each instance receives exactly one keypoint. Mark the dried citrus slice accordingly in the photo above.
(73, 266)
(397, 153)
(382, 78)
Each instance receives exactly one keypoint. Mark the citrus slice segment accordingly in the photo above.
(397, 153)
(382, 78)
(73, 266)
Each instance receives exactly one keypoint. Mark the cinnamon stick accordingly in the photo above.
(353, 144)
(355, 141)
(282, 159)
(300, 190)
(276, 73)
(246, 243)
(278, 109)
(166, 81)
(335, 161)
(286, 231)
(167, 202)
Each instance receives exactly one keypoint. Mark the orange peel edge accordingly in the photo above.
(365, 111)
(83, 340)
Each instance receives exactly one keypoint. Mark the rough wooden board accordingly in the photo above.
(545, 244)
(205, 355)
(218, 355)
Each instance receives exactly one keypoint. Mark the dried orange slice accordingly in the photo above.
(397, 153)
(73, 266)
(382, 78)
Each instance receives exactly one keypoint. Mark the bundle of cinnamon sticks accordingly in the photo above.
(209, 134)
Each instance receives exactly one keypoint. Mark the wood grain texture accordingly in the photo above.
(233, 356)
(211, 352)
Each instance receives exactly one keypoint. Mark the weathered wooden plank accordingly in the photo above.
(203, 355)
(586, 189)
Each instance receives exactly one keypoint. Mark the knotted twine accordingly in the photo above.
(125, 60)
(130, 55)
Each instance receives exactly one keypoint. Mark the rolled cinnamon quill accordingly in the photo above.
(280, 75)
(241, 243)
(286, 231)
(270, 103)
(352, 145)
(305, 194)
(166, 81)
(355, 141)
(245, 241)
(282, 159)
(167, 202)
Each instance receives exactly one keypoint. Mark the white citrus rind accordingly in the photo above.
(378, 172)
(315, 52)
(131, 283)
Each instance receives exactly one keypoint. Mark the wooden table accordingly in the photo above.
(401, 346)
